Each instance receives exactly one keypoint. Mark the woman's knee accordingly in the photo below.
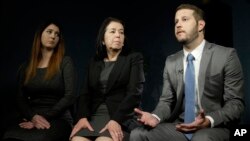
(78, 138)
(104, 139)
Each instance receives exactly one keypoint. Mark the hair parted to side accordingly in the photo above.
(101, 51)
(198, 13)
(36, 54)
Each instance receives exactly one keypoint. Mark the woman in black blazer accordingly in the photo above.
(112, 87)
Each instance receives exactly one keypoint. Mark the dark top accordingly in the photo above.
(108, 66)
(48, 98)
(100, 118)
(123, 91)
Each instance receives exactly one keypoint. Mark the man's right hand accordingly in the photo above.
(146, 118)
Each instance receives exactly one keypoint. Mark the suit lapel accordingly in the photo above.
(206, 56)
(115, 71)
(179, 72)
(179, 85)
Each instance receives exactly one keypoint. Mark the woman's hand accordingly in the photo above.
(26, 124)
(114, 129)
(81, 124)
(40, 122)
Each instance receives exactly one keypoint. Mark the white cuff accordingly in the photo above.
(211, 121)
(156, 117)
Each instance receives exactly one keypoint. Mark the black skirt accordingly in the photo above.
(59, 130)
(98, 122)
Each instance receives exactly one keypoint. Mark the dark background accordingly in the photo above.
(149, 29)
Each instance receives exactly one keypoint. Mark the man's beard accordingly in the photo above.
(182, 41)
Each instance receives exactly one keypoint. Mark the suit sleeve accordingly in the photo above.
(233, 92)
(163, 108)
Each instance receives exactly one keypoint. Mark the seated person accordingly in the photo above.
(112, 88)
(46, 89)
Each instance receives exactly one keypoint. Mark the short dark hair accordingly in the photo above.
(198, 12)
(101, 51)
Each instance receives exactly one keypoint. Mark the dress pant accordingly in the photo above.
(167, 132)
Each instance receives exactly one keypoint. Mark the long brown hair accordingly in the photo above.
(36, 54)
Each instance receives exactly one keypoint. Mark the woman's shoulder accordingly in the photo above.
(21, 69)
(23, 66)
(67, 60)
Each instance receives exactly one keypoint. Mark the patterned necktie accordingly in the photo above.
(189, 114)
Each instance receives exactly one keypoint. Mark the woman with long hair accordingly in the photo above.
(46, 89)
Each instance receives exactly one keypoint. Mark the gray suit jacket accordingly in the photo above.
(220, 83)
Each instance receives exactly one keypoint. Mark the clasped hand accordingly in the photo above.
(37, 121)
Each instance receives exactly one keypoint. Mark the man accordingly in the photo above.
(208, 73)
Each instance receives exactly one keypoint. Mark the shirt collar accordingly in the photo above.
(197, 52)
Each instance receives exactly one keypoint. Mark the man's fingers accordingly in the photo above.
(185, 130)
(141, 120)
(138, 111)
(201, 114)
(188, 126)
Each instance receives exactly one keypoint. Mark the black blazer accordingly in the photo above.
(125, 86)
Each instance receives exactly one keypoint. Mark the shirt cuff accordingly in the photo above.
(156, 117)
(211, 121)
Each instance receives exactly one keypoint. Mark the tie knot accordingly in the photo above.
(190, 57)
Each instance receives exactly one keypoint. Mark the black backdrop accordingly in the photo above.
(149, 29)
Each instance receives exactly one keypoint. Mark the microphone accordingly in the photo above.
(180, 71)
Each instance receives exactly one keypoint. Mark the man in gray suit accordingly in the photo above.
(218, 88)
